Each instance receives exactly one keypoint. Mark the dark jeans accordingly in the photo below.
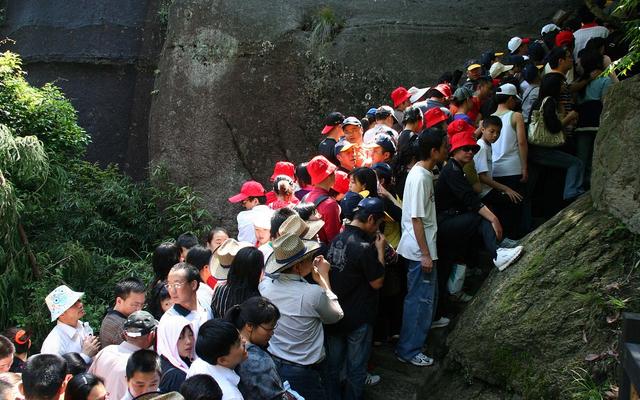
(508, 212)
(584, 151)
(351, 351)
(457, 233)
(306, 380)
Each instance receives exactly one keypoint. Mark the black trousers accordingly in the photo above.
(511, 214)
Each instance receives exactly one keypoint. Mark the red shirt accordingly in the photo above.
(473, 113)
(211, 282)
(271, 197)
(330, 211)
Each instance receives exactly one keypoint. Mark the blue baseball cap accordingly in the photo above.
(382, 168)
(371, 113)
(372, 205)
(349, 203)
(386, 143)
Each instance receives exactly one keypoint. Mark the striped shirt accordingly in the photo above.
(225, 297)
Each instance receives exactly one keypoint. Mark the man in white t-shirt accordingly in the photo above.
(418, 246)
(589, 30)
(384, 121)
(251, 195)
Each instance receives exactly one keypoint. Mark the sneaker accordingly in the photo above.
(461, 297)
(372, 379)
(441, 323)
(419, 360)
(506, 257)
(508, 243)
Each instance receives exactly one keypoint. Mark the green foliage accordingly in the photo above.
(163, 11)
(628, 12)
(324, 26)
(584, 387)
(87, 227)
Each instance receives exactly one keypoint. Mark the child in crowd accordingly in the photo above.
(143, 374)
(283, 186)
(251, 194)
(216, 237)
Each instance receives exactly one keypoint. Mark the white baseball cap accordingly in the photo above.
(60, 300)
(515, 42)
(549, 28)
(499, 68)
(509, 89)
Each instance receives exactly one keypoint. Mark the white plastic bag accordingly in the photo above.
(456, 278)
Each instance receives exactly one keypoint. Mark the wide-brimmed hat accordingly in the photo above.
(223, 257)
(341, 185)
(60, 300)
(288, 250)
(297, 226)
(283, 168)
(417, 93)
(319, 169)
(400, 95)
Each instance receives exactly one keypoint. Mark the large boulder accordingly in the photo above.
(615, 180)
(242, 84)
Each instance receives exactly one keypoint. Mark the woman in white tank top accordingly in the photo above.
(510, 150)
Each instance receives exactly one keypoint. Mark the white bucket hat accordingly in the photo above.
(60, 300)
(223, 257)
(288, 250)
(416, 93)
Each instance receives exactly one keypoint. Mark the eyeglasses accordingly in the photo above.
(467, 149)
(268, 329)
(176, 285)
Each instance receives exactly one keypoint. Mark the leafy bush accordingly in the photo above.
(65, 220)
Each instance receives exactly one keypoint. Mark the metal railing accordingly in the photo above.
(629, 388)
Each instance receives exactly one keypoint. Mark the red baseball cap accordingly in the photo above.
(342, 182)
(283, 168)
(319, 169)
(564, 38)
(248, 189)
(444, 89)
(463, 139)
(434, 116)
(459, 126)
(400, 95)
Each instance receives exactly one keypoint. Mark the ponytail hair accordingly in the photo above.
(283, 185)
(254, 311)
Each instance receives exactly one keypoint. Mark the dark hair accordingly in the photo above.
(429, 139)
(79, 387)
(446, 77)
(215, 339)
(492, 120)
(412, 114)
(158, 294)
(187, 240)
(255, 311)
(143, 361)
(434, 93)
(128, 285)
(591, 60)
(304, 209)
(283, 185)
(302, 175)
(215, 230)
(362, 215)
(198, 256)
(555, 55)
(164, 257)
(502, 98)
(6, 347)
(595, 43)
(191, 273)
(244, 275)
(14, 334)
(278, 218)
(261, 199)
(75, 363)
(367, 177)
(551, 85)
(43, 375)
(200, 387)
(585, 15)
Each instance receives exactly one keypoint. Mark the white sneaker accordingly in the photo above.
(506, 257)
(419, 360)
(372, 379)
(441, 323)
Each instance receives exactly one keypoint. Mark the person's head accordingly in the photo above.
(384, 172)
(401, 98)
(185, 242)
(551, 85)
(591, 60)
(484, 87)
(352, 128)
(384, 116)
(508, 95)
(44, 377)
(85, 386)
(369, 215)
(292, 255)
(279, 216)
(531, 73)
(255, 318)
(200, 387)
(182, 284)
(463, 147)
(585, 15)
(200, 257)
(463, 99)
(7, 350)
(363, 178)
(306, 211)
(321, 172)
(346, 154)
(186, 342)
(560, 59)
(597, 44)
(518, 46)
(251, 194)
(75, 363)
(8, 388)
(160, 300)
(413, 119)
(219, 343)
(333, 125)
(143, 372)
(216, 237)
(246, 268)
(65, 306)
(283, 186)
(130, 296)
(261, 218)
(432, 143)
(383, 149)
(474, 70)
(20, 338)
(164, 257)
(491, 127)
(140, 329)
(302, 175)
(435, 118)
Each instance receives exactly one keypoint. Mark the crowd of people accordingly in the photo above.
(369, 242)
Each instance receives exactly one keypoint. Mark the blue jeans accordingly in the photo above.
(419, 306)
(352, 351)
(306, 380)
(559, 159)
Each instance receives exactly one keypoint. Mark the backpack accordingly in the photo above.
(538, 134)
(317, 201)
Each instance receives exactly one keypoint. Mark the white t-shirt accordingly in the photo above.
(583, 35)
(246, 231)
(484, 163)
(418, 202)
(506, 157)
(372, 134)
(226, 378)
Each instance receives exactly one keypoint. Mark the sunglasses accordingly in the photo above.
(467, 149)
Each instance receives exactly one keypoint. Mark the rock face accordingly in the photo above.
(616, 183)
(530, 326)
(244, 84)
(103, 56)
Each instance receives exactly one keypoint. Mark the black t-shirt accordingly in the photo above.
(354, 263)
(327, 148)
(454, 192)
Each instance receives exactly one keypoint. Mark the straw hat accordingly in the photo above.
(288, 250)
(60, 300)
(303, 229)
(223, 257)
